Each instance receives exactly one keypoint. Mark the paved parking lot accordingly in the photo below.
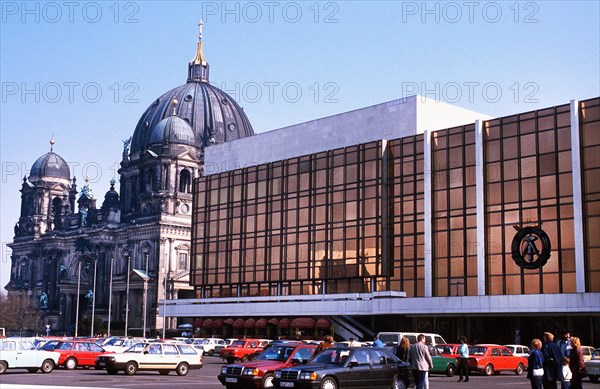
(205, 378)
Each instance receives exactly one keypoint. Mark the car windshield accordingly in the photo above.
(332, 356)
(136, 348)
(276, 353)
(64, 346)
(49, 346)
(596, 355)
(476, 350)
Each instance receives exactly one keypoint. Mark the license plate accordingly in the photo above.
(101, 363)
(231, 379)
(286, 384)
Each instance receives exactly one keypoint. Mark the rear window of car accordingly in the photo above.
(476, 350)
(186, 350)
(8, 346)
(64, 346)
(238, 344)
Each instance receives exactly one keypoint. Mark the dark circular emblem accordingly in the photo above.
(525, 250)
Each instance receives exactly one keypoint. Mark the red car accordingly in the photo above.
(242, 350)
(259, 373)
(489, 359)
(75, 353)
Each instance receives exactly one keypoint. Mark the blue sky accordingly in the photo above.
(85, 71)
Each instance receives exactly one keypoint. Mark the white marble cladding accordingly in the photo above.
(389, 304)
(391, 120)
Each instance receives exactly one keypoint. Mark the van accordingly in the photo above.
(393, 338)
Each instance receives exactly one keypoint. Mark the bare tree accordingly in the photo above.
(19, 313)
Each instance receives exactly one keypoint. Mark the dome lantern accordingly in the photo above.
(198, 67)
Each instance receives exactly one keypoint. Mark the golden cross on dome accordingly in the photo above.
(200, 26)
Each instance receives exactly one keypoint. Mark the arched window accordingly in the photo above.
(56, 204)
(185, 181)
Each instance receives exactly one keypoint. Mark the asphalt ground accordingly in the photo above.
(206, 378)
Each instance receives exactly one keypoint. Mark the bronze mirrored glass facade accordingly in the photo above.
(353, 219)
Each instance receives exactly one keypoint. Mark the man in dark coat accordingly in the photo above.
(552, 362)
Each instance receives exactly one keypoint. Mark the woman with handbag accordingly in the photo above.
(535, 365)
(576, 364)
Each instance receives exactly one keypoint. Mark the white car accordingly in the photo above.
(120, 345)
(209, 344)
(22, 354)
(593, 367)
(161, 357)
(518, 350)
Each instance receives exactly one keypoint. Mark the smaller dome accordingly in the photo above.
(172, 129)
(49, 165)
(111, 198)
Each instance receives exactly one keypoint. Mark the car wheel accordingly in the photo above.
(32, 369)
(71, 363)
(112, 370)
(489, 370)
(267, 381)
(47, 366)
(211, 353)
(164, 372)
(3, 367)
(131, 368)
(399, 383)
(230, 360)
(328, 383)
(450, 370)
(520, 369)
(245, 358)
(182, 369)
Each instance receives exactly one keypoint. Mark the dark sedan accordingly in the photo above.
(348, 367)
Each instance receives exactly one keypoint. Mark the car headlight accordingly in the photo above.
(307, 375)
(277, 373)
(224, 370)
(250, 371)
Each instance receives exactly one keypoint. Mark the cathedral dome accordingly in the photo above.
(49, 165)
(211, 114)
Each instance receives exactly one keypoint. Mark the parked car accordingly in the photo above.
(242, 350)
(489, 359)
(259, 373)
(588, 351)
(593, 366)
(161, 357)
(449, 350)
(22, 354)
(74, 353)
(393, 338)
(119, 345)
(349, 367)
(518, 350)
(442, 364)
(209, 344)
(228, 342)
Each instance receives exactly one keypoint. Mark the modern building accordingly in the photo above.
(115, 262)
(409, 215)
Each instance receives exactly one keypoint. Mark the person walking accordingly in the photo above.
(377, 342)
(535, 365)
(552, 362)
(402, 349)
(325, 344)
(420, 361)
(576, 363)
(565, 382)
(463, 364)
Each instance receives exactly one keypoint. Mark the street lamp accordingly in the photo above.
(78, 289)
(164, 303)
(146, 295)
(110, 284)
(127, 295)
(94, 299)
